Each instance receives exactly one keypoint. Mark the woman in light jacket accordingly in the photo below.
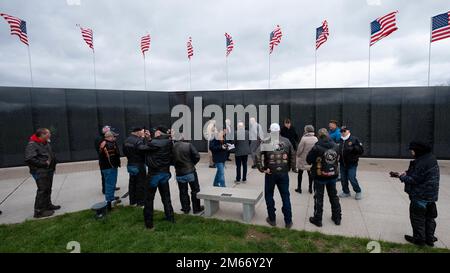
(306, 143)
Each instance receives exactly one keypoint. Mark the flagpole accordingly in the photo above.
(145, 74)
(190, 75)
(95, 77)
(315, 69)
(31, 70)
(429, 51)
(370, 39)
(226, 66)
(269, 71)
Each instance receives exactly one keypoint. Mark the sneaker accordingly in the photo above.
(244, 181)
(237, 181)
(54, 207)
(344, 195)
(212, 166)
(253, 166)
(315, 222)
(288, 226)
(43, 214)
(117, 189)
(413, 240)
(116, 198)
(149, 227)
(202, 208)
(298, 190)
(270, 222)
(358, 196)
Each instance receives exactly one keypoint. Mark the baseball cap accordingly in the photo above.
(274, 127)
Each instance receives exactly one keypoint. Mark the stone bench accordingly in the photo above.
(213, 195)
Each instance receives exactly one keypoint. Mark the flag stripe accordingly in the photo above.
(440, 27)
(275, 38)
(18, 27)
(88, 36)
(145, 43)
(229, 43)
(322, 34)
(190, 48)
(383, 27)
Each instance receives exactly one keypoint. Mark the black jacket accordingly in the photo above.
(280, 159)
(242, 143)
(159, 155)
(134, 149)
(422, 179)
(290, 134)
(97, 142)
(109, 156)
(317, 151)
(350, 150)
(37, 156)
(219, 154)
(185, 156)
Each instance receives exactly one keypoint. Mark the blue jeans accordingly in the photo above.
(110, 183)
(281, 180)
(190, 177)
(349, 173)
(219, 179)
(159, 178)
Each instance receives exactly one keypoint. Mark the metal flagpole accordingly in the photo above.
(368, 80)
(315, 70)
(226, 64)
(429, 51)
(190, 75)
(31, 70)
(95, 77)
(269, 72)
(145, 74)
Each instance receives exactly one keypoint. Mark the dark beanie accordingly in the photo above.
(420, 148)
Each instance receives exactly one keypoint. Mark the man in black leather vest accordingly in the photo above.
(275, 157)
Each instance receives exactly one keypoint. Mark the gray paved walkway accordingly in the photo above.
(382, 214)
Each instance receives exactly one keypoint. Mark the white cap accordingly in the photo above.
(274, 127)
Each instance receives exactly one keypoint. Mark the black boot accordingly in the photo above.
(315, 222)
(413, 240)
(43, 214)
(54, 207)
(202, 208)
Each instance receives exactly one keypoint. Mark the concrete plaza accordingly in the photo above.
(382, 214)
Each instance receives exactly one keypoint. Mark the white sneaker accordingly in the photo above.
(358, 196)
(344, 195)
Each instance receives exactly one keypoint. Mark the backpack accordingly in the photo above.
(328, 164)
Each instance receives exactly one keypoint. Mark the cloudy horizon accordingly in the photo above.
(61, 59)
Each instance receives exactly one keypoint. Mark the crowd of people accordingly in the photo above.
(326, 157)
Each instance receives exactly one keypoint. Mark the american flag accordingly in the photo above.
(322, 34)
(383, 27)
(190, 49)
(145, 43)
(440, 27)
(18, 27)
(275, 38)
(88, 36)
(229, 43)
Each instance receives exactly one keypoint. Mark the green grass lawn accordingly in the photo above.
(123, 231)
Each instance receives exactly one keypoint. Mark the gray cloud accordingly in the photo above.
(61, 59)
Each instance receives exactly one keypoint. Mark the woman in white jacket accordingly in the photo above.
(306, 143)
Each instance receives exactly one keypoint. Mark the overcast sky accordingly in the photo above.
(60, 58)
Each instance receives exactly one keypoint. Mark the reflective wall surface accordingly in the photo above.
(385, 119)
